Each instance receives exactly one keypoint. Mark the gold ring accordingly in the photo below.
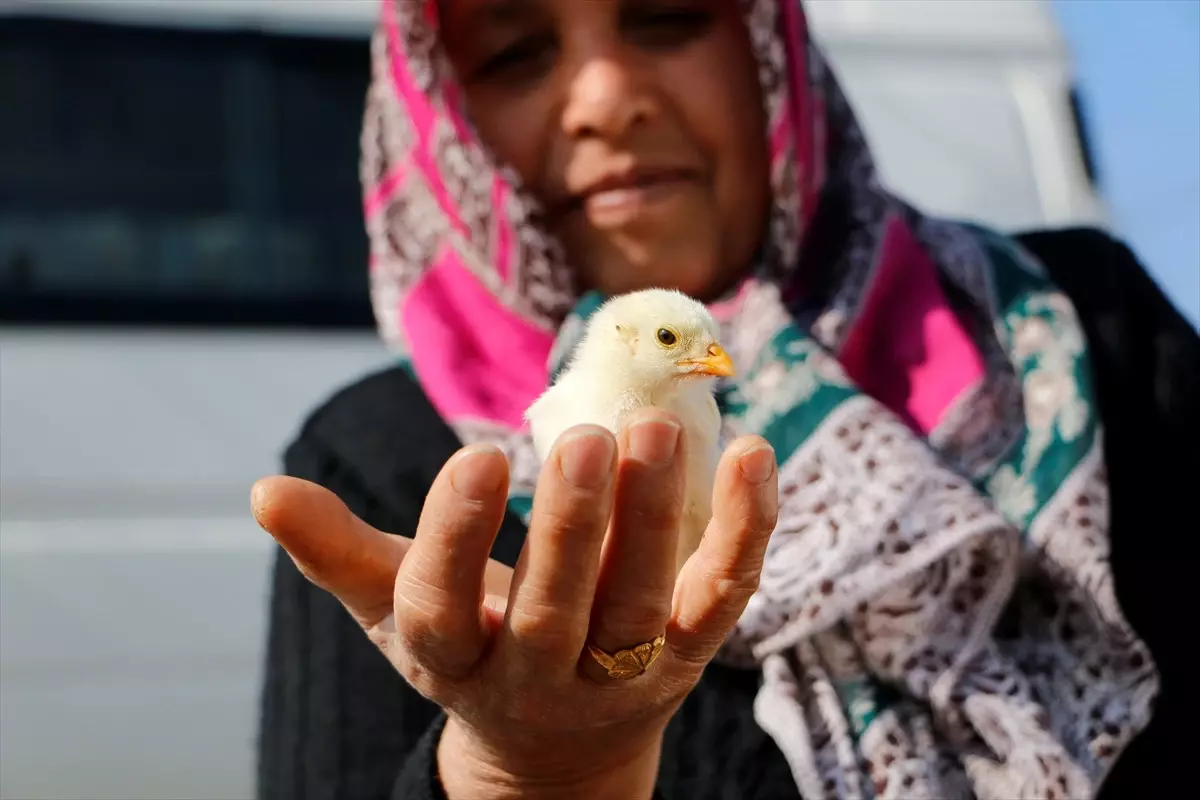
(626, 664)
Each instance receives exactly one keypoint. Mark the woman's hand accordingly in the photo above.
(505, 653)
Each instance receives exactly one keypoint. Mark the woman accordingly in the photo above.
(905, 590)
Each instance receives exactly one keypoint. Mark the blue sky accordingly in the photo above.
(1138, 64)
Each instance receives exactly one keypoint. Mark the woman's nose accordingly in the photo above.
(606, 99)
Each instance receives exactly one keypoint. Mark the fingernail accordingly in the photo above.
(758, 463)
(654, 441)
(585, 458)
(470, 478)
(256, 496)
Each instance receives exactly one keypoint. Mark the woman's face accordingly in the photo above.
(638, 124)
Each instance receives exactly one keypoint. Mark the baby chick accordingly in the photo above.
(655, 347)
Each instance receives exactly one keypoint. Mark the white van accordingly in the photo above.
(182, 277)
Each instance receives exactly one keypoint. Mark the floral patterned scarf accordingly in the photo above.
(936, 616)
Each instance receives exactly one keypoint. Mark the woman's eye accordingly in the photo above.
(667, 27)
(524, 58)
(667, 337)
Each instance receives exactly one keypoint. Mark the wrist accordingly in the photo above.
(470, 769)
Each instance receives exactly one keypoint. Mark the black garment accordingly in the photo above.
(339, 722)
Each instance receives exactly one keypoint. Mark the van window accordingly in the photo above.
(1079, 117)
(161, 176)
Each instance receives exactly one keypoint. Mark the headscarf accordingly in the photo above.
(936, 615)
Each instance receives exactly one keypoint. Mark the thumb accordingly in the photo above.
(331, 546)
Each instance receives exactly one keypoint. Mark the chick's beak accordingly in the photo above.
(717, 363)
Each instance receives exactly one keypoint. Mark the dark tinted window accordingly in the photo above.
(166, 176)
(1080, 119)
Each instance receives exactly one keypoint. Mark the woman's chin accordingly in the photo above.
(693, 278)
(688, 285)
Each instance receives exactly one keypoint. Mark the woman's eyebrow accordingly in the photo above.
(499, 12)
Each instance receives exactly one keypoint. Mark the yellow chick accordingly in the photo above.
(655, 347)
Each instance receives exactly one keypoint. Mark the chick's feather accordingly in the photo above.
(655, 348)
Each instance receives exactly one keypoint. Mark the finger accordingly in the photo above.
(331, 546)
(720, 578)
(439, 588)
(637, 568)
(555, 576)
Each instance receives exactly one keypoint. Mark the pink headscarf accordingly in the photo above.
(455, 248)
(936, 449)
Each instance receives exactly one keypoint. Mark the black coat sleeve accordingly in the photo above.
(1146, 367)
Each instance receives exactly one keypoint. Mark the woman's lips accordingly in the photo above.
(619, 204)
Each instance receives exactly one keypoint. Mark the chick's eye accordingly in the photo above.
(666, 337)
